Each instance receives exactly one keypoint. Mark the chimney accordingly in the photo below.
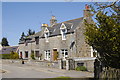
(44, 26)
(53, 21)
(87, 11)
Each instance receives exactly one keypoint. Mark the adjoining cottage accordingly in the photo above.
(59, 40)
(8, 49)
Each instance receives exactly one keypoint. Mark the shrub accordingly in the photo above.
(4, 56)
(81, 68)
(14, 55)
(32, 56)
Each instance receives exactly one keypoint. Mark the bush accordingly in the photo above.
(4, 56)
(14, 55)
(81, 68)
(32, 56)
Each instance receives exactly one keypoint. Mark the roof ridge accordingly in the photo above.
(73, 19)
(68, 21)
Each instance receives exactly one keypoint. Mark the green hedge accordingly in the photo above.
(12, 55)
(4, 56)
(81, 68)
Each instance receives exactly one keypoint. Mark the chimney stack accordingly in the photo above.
(53, 21)
(44, 26)
(87, 11)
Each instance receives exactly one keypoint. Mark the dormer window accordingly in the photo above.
(37, 40)
(46, 34)
(63, 31)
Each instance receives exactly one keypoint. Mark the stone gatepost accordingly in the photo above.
(68, 64)
(60, 63)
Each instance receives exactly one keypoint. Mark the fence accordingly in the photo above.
(107, 73)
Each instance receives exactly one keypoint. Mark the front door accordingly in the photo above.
(55, 54)
(20, 55)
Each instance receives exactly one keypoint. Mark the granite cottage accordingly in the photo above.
(58, 40)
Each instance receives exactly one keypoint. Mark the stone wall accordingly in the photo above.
(30, 47)
(32, 63)
(74, 43)
(56, 42)
(88, 62)
(72, 64)
(82, 48)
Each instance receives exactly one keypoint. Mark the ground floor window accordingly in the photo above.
(47, 54)
(36, 53)
(64, 53)
(26, 54)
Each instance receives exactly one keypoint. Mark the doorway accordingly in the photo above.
(55, 54)
(20, 55)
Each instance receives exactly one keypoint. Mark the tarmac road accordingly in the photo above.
(26, 71)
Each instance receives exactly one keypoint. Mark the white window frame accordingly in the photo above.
(63, 53)
(91, 51)
(63, 31)
(46, 34)
(47, 55)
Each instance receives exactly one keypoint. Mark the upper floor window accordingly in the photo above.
(37, 40)
(46, 34)
(63, 31)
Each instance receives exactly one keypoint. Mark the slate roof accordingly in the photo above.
(55, 29)
(7, 50)
(70, 25)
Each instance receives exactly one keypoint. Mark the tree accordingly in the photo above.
(22, 37)
(4, 42)
(30, 32)
(104, 36)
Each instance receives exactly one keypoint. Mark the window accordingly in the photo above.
(26, 54)
(37, 40)
(64, 53)
(63, 31)
(36, 53)
(47, 54)
(46, 36)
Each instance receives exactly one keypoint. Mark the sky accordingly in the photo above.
(18, 17)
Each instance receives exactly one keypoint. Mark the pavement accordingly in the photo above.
(27, 71)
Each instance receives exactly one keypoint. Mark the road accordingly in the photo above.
(26, 71)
